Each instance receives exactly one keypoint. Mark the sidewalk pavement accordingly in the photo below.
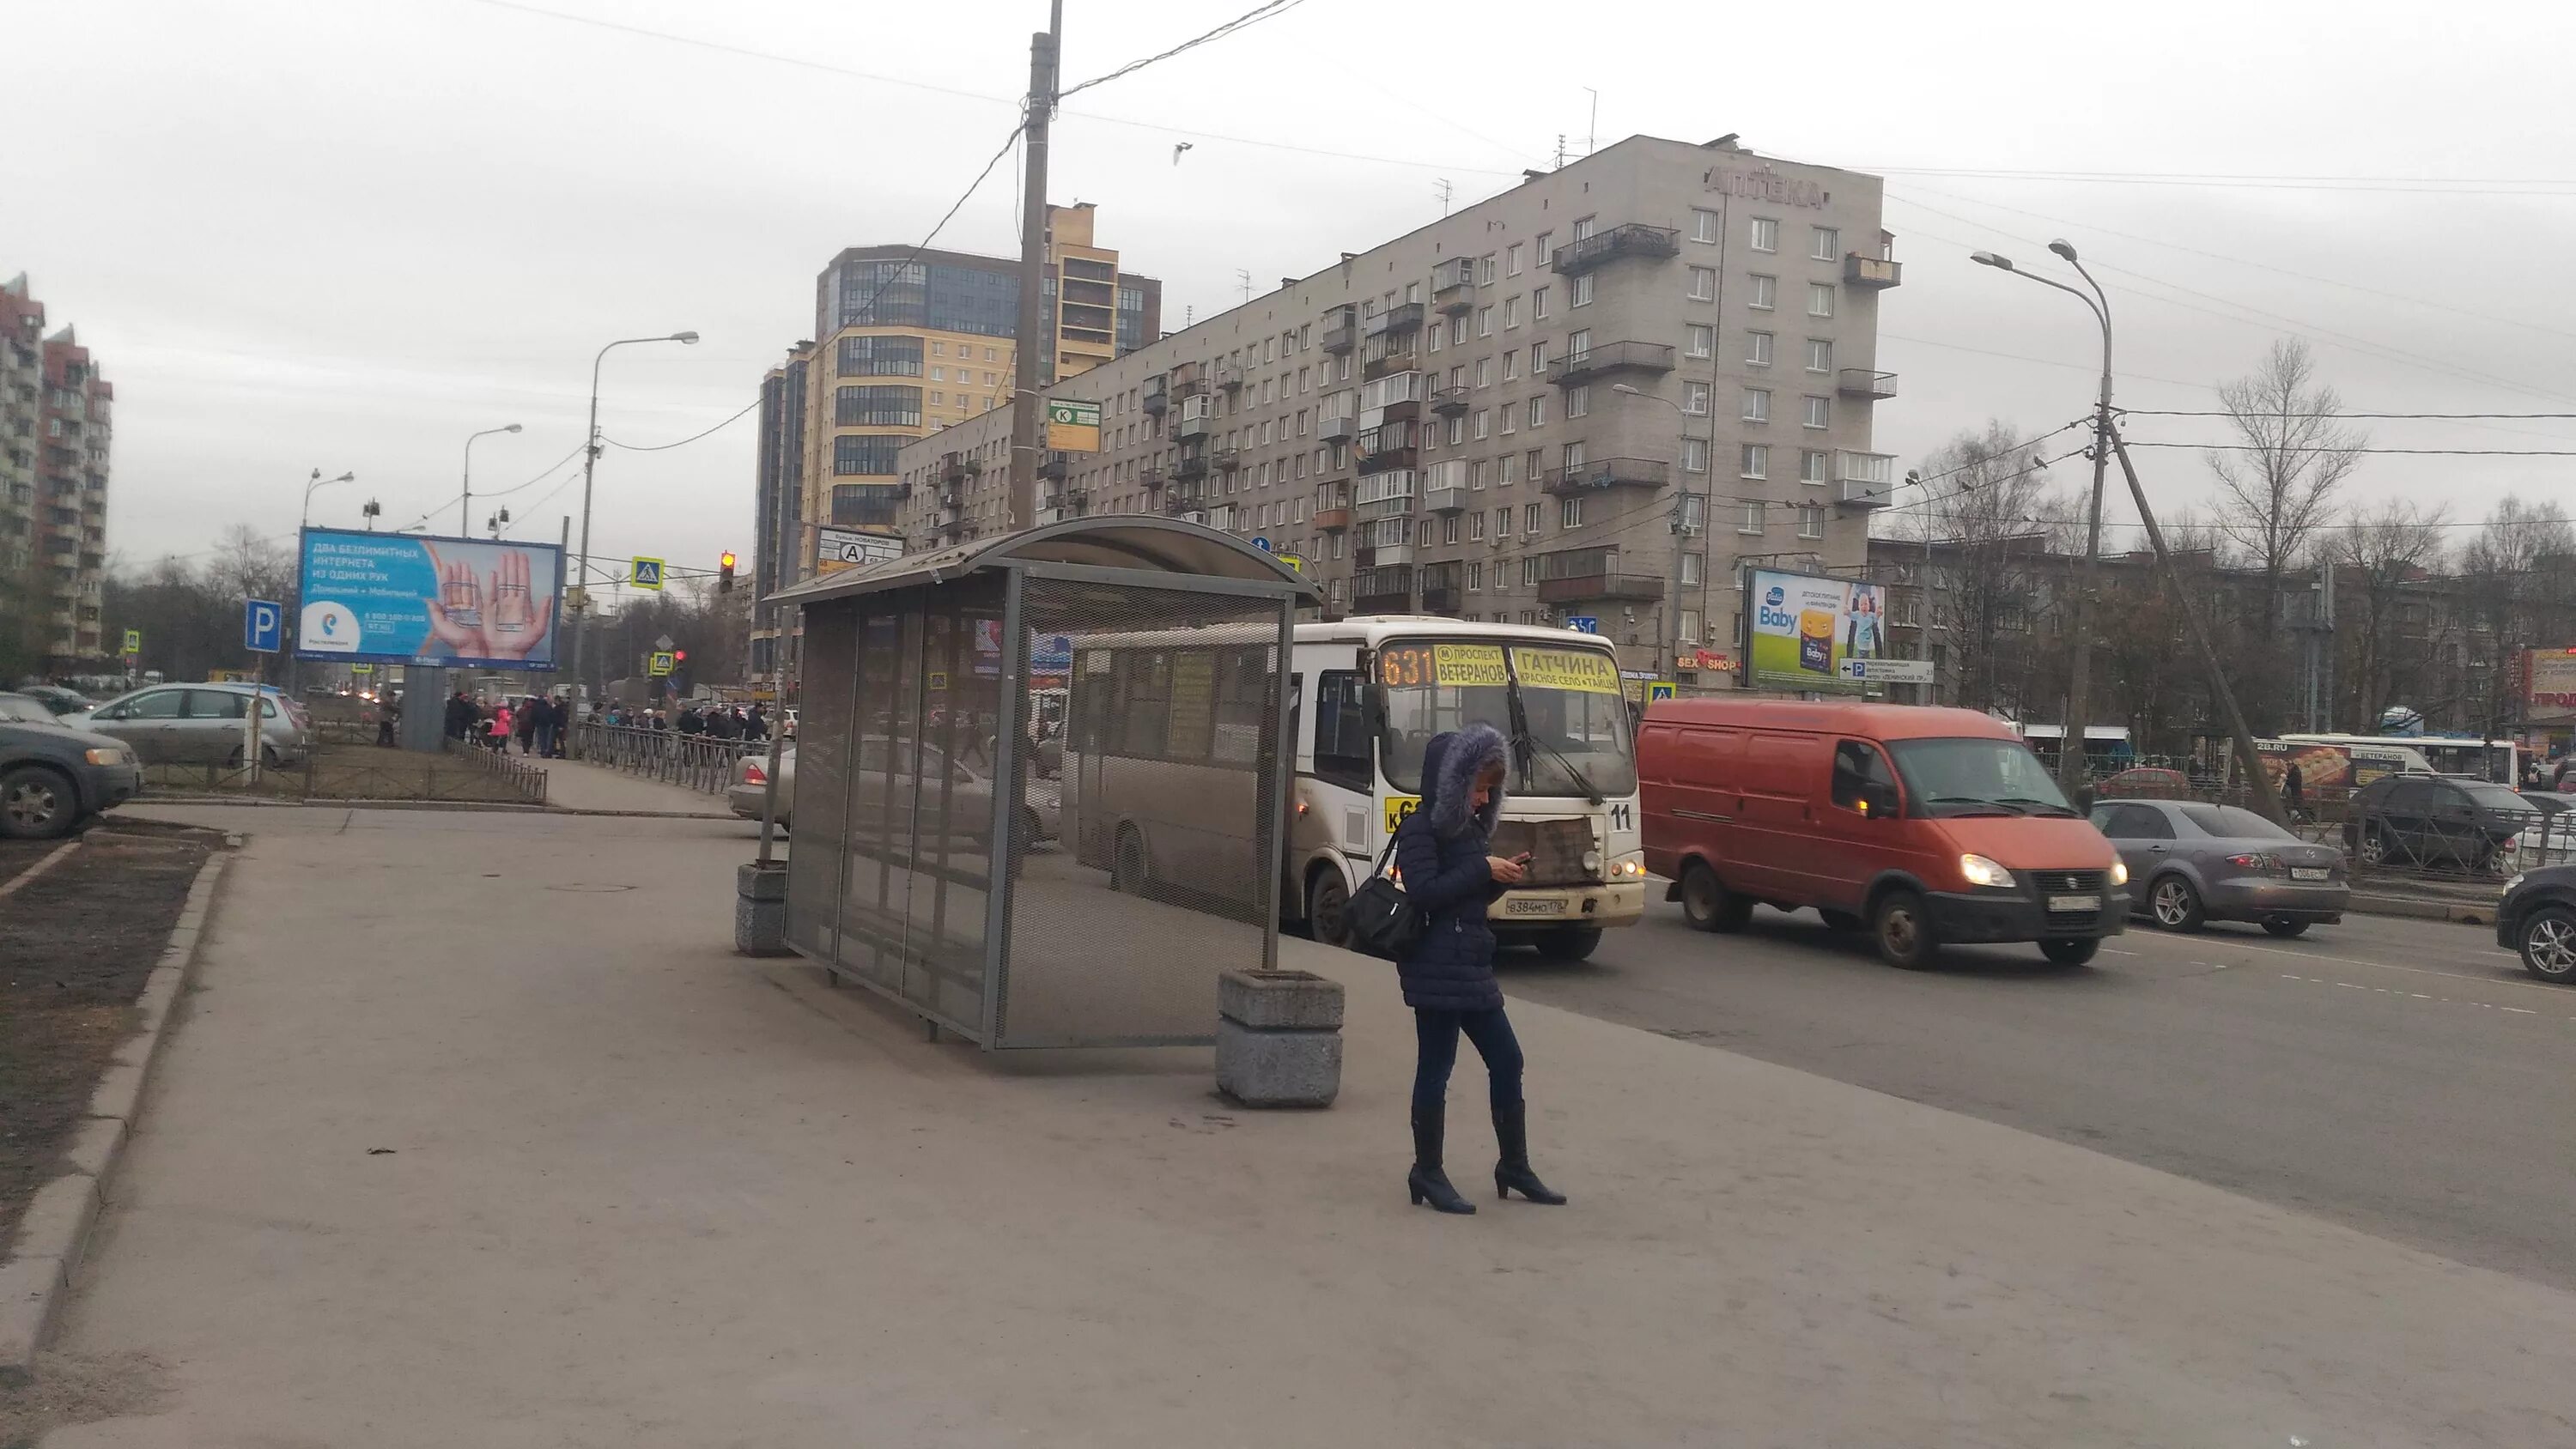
(578, 785)
(542, 1163)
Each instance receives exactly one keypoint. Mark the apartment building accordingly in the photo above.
(54, 430)
(915, 341)
(1591, 397)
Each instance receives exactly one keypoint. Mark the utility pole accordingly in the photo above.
(1035, 321)
(2249, 763)
(1683, 530)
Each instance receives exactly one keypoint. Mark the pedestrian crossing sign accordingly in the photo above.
(1658, 689)
(660, 665)
(646, 573)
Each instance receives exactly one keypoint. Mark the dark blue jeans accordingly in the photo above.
(1435, 1035)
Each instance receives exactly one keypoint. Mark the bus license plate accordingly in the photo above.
(1534, 908)
(2308, 872)
(2073, 903)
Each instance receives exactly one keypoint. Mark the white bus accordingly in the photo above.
(2498, 761)
(1161, 782)
(1368, 693)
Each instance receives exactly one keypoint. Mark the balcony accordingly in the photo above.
(1449, 402)
(1875, 273)
(1604, 473)
(1385, 589)
(1453, 288)
(1054, 467)
(1861, 382)
(1150, 476)
(1158, 394)
(1399, 319)
(1586, 588)
(1373, 368)
(1332, 520)
(957, 467)
(1341, 329)
(1228, 459)
(1611, 357)
(1339, 429)
(1193, 463)
(1440, 598)
(1393, 445)
(1864, 480)
(1602, 247)
(1194, 427)
(1188, 381)
(1228, 375)
(1444, 498)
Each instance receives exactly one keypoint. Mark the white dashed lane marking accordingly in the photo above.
(2405, 995)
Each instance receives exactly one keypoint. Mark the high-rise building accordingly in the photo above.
(913, 340)
(54, 431)
(1592, 398)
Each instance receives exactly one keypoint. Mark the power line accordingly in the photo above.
(2431, 452)
(684, 442)
(2337, 413)
(1248, 18)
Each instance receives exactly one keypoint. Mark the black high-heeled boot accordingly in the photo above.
(1512, 1173)
(1426, 1182)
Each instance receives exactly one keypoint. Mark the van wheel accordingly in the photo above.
(1328, 900)
(1903, 931)
(1708, 904)
(1841, 920)
(2069, 950)
(1127, 870)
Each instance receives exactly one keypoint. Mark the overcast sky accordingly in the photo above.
(310, 234)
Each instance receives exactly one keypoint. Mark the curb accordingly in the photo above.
(2467, 913)
(36, 1276)
(489, 807)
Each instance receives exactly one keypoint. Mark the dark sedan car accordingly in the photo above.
(2439, 821)
(2536, 920)
(53, 778)
(2195, 863)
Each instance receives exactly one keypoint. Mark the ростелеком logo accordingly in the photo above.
(328, 628)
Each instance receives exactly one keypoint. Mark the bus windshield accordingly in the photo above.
(1560, 707)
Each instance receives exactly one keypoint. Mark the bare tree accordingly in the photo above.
(2516, 586)
(1989, 518)
(2279, 484)
(2386, 547)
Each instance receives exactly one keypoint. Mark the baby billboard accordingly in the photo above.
(400, 598)
(1804, 627)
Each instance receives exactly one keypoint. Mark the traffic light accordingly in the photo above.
(679, 656)
(724, 572)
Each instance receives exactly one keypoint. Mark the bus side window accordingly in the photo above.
(1342, 753)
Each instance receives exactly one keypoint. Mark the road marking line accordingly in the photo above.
(24, 877)
(2392, 966)
(2519, 1010)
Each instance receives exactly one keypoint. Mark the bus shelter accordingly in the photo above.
(1040, 779)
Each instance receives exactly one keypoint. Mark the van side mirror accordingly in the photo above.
(1878, 800)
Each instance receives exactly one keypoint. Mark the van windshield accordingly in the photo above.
(1976, 777)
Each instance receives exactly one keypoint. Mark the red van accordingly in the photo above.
(1927, 826)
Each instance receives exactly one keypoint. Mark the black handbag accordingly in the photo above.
(1383, 920)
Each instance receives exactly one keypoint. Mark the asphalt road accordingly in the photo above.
(2402, 1077)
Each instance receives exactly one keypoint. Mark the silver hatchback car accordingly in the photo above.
(2193, 863)
(197, 724)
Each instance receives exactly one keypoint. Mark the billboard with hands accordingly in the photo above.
(406, 599)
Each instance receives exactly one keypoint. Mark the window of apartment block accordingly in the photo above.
(940, 399)
(1703, 284)
(1757, 349)
(1699, 340)
(1578, 401)
(1766, 233)
(1820, 412)
(1457, 431)
(1457, 338)
(1504, 469)
(1538, 411)
(1484, 372)
(1529, 524)
(1476, 526)
(1512, 260)
(939, 349)
(1820, 355)
(1449, 529)
(1546, 248)
(1694, 455)
(1511, 365)
(1750, 521)
(877, 407)
(1811, 520)
(1503, 521)
(1485, 270)
(1694, 567)
(1529, 566)
(1569, 513)
(1689, 626)
(1820, 299)
(1436, 335)
(1538, 303)
(1811, 465)
(1704, 225)
(1538, 358)
(1484, 424)
(1583, 290)
(1484, 321)
(1766, 293)
(1695, 399)
(1757, 460)
(1511, 312)
(1578, 342)
(1829, 245)
(940, 374)
(1757, 405)
(1511, 418)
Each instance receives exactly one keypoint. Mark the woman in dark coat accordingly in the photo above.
(1449, 974)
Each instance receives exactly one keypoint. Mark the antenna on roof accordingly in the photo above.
(1443, 190)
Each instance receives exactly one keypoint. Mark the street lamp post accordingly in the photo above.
(1671, 644)
(465, 503)
(589, 462)
(304, 521)
(2070, 750)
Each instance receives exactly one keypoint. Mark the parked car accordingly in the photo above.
(2536, 919)
(18, 708)
(1928, 826)
(1039, 820)
(197, 724)
(2435, 820)
(57, 699)
(53, 777)
(2197, 863)
(2550, 840)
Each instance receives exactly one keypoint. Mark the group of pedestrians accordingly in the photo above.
(710, 721)
(540, 723)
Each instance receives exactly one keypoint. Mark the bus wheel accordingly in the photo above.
(1570, 943)
(1327, 900)
(1127, 863)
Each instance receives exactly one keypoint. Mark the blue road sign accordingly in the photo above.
(1260, 542)
(1584, 624)
(263, 625)
(1660, 689)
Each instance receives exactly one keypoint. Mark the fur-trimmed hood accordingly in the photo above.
(1450, 765)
